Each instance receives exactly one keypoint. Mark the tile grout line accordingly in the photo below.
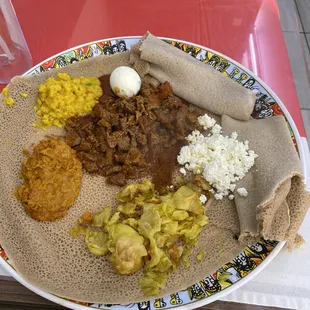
(302, 25)
(308, 43)
(299, 15)
(294, 31)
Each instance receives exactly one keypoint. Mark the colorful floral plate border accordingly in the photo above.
(249, 262)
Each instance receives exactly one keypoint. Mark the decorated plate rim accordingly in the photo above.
(232, 287)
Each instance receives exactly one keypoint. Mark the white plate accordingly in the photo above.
(248, 263)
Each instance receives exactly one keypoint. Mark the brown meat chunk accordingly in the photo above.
(140, 103)
(174, 102)
(130, 172)
(153, 102)
(84, 146)
(102, 113)
(145, 123)
(114, 138)
(120, 139)
(124, 123)
(103, 147)
(87, 156)
(125, 138)
(120, 158)
(165, 90)
(134, 156)
(109, 156)
(113, 170)
(165, 117)
(98, 111)
(124, 143)
(105, 124)
(152, 116)
(100, 134)
(72, 138)
(117, 179)
(88, 128)
(102, 162)
(141, 138)
(147, 89)
(128, 105)
(90, 166)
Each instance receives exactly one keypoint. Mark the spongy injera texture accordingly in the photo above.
(276, 193)
(43, 252)
(191, 79)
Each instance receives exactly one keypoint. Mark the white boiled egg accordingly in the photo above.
(125, 82)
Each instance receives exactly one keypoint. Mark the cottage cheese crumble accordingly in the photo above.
(221, 160)
(183, 171)
(242, 192)
(203, 198)
(206, 121)
(231, 197)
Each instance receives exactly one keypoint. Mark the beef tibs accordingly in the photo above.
(126, 139)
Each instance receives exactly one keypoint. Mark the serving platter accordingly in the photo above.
(249, 262)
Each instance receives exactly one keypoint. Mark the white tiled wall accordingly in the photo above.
(295, 22)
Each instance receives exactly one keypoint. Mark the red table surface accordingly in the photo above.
(247, 31)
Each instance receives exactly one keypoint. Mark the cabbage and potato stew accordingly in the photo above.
(148, 231)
